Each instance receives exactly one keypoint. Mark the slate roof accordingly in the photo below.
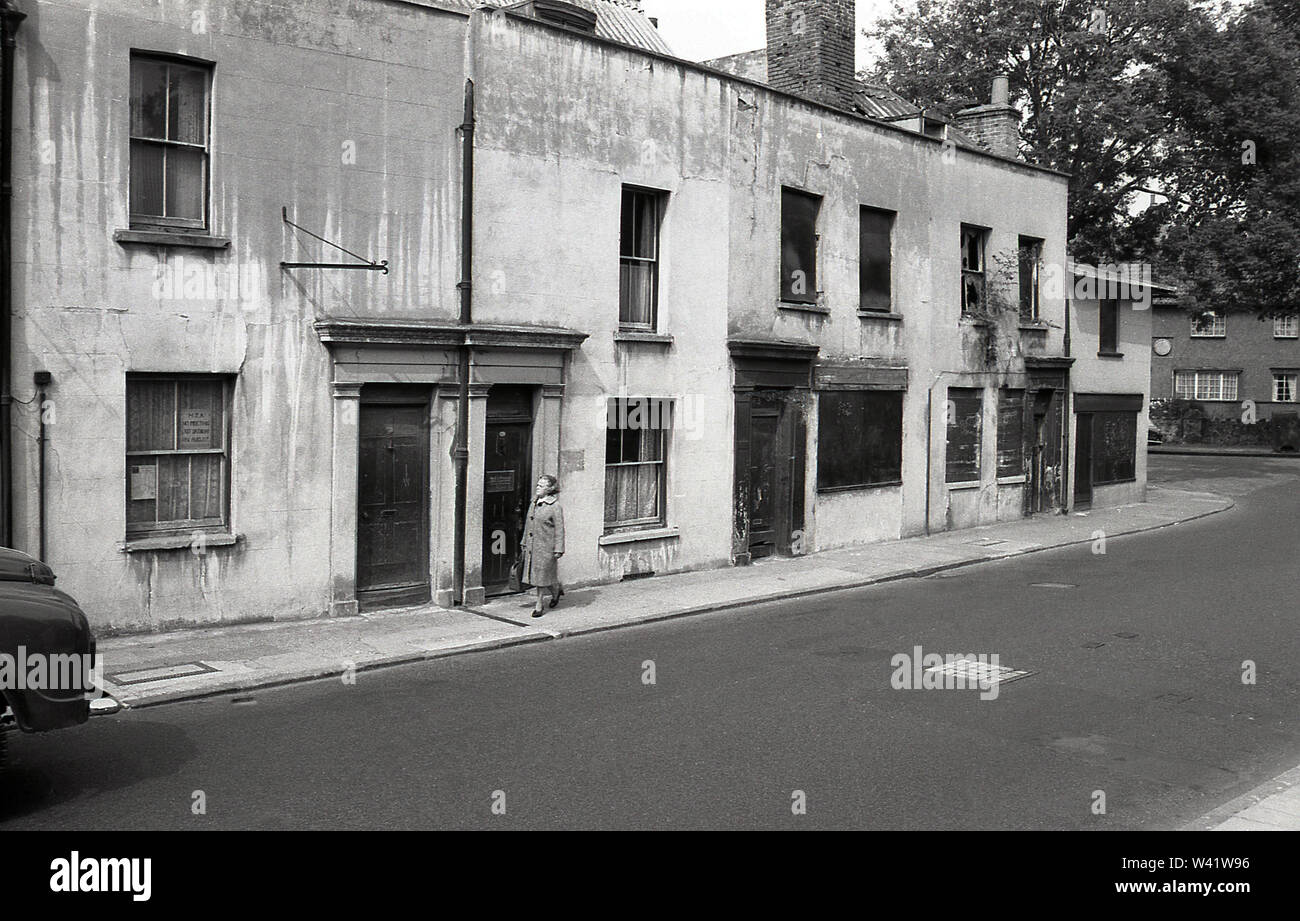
(617, 20)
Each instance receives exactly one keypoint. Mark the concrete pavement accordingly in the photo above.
(157, 668)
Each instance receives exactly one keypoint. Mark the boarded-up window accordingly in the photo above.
(874, 259)
(859, 439)
(1108, 322)
(1011, 433)
(1114, 447)
(635, 460)
(169, 143)
(965, 409)
(799, 246)
(177, 453)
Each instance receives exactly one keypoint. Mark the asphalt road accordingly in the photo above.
(1136, 692)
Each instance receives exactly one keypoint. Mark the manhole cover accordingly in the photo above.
(1052, 585)
(161, 673)
(975, 672)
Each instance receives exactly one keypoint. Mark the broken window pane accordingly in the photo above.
(799, 246)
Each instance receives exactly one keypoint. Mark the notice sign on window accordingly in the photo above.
(144, 481)
(196, 428)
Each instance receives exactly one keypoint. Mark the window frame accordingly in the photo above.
(981, 235)
(1218, 326)
(168, 223)
(813, 297)
(1286, 321)
(1033, 245)
(659, 199)
(891, 218)
(1221, 377)
(1290, 379)
(863, 412)
(615, 412)
(171, 527)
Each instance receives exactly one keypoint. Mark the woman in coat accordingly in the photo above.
(543, 544)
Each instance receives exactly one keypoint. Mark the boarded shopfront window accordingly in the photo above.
(177, 453)
(875, 282)
(859, 439)
(635, 460)
(799, 246)
(965, 408)
(1114, 447)
(1011, 433)
(169, 144)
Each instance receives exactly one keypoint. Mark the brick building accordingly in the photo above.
(1221, 361)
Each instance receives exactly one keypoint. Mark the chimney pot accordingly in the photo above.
(1001, 90)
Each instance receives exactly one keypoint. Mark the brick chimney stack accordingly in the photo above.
(810, 50)
(995, 126)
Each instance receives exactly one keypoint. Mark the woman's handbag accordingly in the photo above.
(517, 576)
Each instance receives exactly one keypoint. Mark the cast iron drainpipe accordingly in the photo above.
(42, 380)
(460, 452)
(11, 18)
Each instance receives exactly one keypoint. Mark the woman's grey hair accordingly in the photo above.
(551, 483)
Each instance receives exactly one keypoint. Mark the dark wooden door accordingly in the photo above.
(1083, 460)
(507, 488)
(776, 464)
(393, 506)
(1046, 468)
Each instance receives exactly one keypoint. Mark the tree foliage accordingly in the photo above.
(1129, 96)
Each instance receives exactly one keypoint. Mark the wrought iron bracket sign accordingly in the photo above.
(365, 264)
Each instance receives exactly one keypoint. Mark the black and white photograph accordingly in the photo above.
(650, 415)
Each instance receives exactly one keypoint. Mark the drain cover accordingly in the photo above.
(162, 673)
(1127, 636)
(973, 671)
(1093, 645)
(1052, 585)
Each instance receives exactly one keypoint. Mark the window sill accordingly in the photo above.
(1034, 326)
(1013, 480)
(179, 541)
(636, 335)
(887, 315)
(804, 308)
(1110, 354)
(631, 537)
(973, 484)
(170, 238)
(834, 489)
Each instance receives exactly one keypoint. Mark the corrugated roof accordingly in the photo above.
(617, 20)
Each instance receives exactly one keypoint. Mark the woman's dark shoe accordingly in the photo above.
(556, 599)
(539, 612)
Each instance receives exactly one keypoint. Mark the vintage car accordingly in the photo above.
(46, 649)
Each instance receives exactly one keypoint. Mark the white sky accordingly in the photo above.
(701, 29)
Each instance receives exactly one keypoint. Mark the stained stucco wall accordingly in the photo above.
(344, 114)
